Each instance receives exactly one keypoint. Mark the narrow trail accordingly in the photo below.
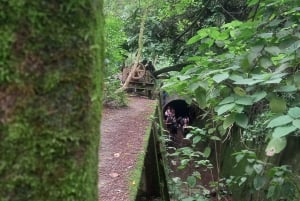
(122, 135)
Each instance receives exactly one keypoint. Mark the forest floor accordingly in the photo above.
(122, 136)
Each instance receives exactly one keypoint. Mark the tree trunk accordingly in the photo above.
(50, 99)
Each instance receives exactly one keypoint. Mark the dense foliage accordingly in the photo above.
(244, 75)
(246, 79)
(50, 90)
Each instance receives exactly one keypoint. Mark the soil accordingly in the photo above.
(122, 136)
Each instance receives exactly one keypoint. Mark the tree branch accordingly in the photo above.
(177, 67)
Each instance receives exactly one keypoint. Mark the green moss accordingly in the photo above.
(51, 73)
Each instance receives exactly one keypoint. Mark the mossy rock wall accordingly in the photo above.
(50, 99)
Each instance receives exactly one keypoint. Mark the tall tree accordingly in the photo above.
(50, 99)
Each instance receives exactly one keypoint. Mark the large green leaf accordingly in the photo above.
(259, 182)
(241, 120)
(257, 96)
(229, 120)
(258, 168)
(273, 50)
(287, 88)
(229, 99)
(283, 131)
(247, 81)
(277, 105)
(276, 145)
(296, 123)
(265, 62)
(294, 112)
(225, 108)
(244, 100)
(220, 77)
(279, 121)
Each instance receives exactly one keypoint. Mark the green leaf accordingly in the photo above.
(227, 100)
(259, 182)
(265, 62)
(283, 131)
(252, 2)
(258, 168)
(294, 112)
(192, 181)
(215, 138)
(257, 96)
(265, 35)
(229, 120)
(247, 81)
(242, 181)
(244, 100)
(200, 95)
(207, 152)
(276, 145)
(221, 77)
(241, 120)
(184, 77)
(196, 139)
(225, 108)
(200, 35)
(277, 105)
(273, 50)
(288, 88)
(279, 121)
(296, 123)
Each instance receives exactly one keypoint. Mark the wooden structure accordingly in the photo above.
(142, 80)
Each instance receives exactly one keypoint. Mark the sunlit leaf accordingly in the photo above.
(215, 138)
(273, 50)
(288, 88)
(283, 131)
(276, 145)
(279, 121)
(258, 95)
(220, 77)
(227, 100)
(294, 112)
(225, 108)
(244, 100)
(196, 139)
(296, 123)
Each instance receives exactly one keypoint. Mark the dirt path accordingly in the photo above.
(122, 135)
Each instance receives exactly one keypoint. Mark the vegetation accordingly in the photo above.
(50, 99)
(243, 72)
